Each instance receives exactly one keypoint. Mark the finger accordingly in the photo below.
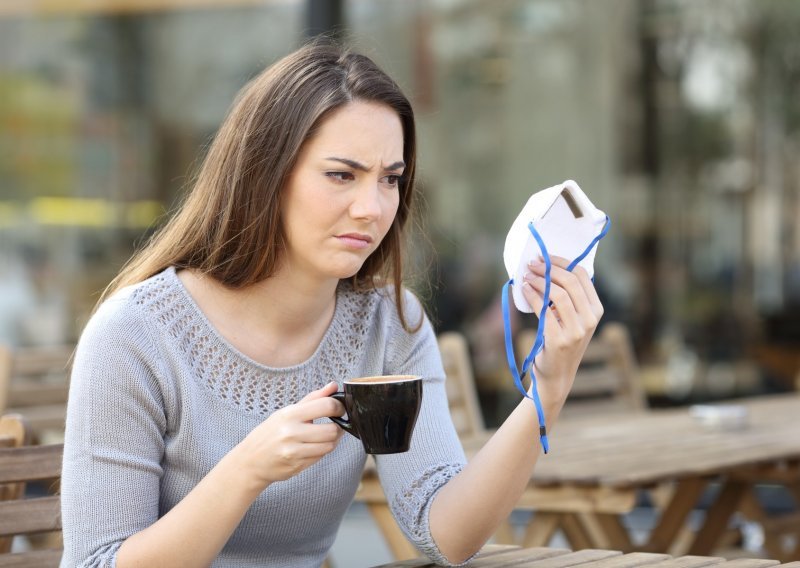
(535, 297)
(308, 410)
(585, 280)
(310, 433)
(589, 289)
(304, 455)
(570, 283)
(327, 390)
(568, 317)
(579, 285)
(320, 449)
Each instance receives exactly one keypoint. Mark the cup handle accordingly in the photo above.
(343, 424)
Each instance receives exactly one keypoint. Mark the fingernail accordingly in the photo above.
(529, 277)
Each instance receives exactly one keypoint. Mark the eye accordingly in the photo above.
(392, 180)
(340, 177)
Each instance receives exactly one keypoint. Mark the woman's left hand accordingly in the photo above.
(569, 325)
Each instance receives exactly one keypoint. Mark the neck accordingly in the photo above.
(281, 304)
(278, 322)
(291, 305)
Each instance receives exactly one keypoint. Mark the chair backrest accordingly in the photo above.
(20, 464)
(461, 391)
(12, 435)
(34, 383)
(5, 375)
(608, 376)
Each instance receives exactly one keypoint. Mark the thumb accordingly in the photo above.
(327, 390)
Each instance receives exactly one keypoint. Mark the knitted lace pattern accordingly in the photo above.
(237, 379)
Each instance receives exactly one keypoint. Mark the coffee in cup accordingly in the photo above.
(381, 411)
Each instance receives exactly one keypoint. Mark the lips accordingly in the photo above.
(357, 236)
(355, 240)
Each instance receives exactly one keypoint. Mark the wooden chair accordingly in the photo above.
(5, 375)
(462, 396)
(608, 377)
(20, 464)
(12, 435)
(34, 383)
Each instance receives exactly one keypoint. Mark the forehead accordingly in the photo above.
(367, 128)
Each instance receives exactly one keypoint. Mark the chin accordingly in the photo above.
(346, 275)
(343, 272)
(345, 268)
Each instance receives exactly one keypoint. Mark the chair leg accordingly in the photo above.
(505, 533)
(395, 539)
(541, 529)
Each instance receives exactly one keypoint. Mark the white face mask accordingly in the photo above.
(566, 221)
(557, 221)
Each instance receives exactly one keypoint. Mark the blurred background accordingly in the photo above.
(680, 119)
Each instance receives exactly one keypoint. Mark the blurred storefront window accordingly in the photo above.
(680, 119)
(103, 112)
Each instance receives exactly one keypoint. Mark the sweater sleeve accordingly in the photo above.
(114, 440)
(412, 479)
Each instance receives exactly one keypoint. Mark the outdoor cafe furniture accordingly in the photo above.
(506, 557)
(34, 383)
(598, 466)
(21, 514)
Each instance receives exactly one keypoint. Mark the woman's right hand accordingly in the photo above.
(288, 441)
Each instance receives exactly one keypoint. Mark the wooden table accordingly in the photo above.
(589, 558)
(598, 467)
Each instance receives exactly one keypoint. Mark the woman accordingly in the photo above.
(197, 429)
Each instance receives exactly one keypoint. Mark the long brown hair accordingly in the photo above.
(230, 226)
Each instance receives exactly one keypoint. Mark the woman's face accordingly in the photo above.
(343, 193)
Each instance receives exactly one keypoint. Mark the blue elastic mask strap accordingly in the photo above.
(538, 344)
(596, 240)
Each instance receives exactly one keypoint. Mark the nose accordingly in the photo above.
(366, 203)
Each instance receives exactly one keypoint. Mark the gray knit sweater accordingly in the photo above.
(158, 397)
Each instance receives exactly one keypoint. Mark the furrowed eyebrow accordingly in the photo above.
(359, 166)
(396, 166)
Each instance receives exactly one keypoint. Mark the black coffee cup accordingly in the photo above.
(381, 411)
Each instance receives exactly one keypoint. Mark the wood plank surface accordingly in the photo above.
(499, 555)
(578, 499)
(32, 559)
(41, 361)
(636, 449)
(688, 562)
(750, 563)
(22, 516)
(542, 557)
(32, 393)
(518, 557)
(44, 417)
(30, 463)
(577, 558)
(631, 560)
